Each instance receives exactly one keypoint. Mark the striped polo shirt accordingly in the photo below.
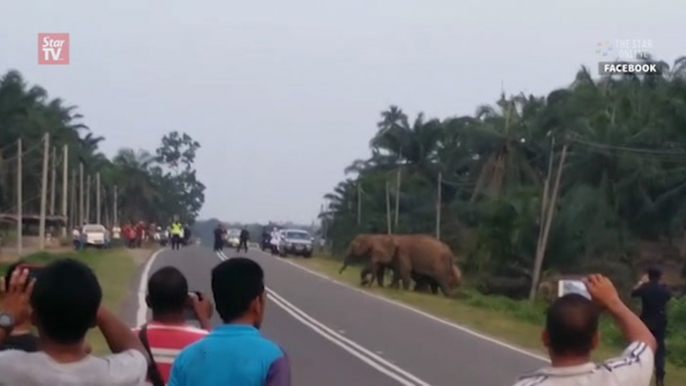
(166, 342)
(633, 368)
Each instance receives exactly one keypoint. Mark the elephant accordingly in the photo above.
(421, 256)
(428, 257)
(375, 251)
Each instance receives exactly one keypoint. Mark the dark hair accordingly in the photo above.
(571, 323)
(65, 300)
(236, 283)
(654, 274)
(167, 291)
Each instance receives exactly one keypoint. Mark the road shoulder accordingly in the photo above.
(489, 317)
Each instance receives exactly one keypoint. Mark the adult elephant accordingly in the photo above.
(428, 257)
(376, 252)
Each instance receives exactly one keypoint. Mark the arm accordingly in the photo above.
(279, 373)
(632, 328)
(118, 335)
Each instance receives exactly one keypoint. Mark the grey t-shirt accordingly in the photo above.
(19, 368)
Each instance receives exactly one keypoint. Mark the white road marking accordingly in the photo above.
(142, 312)
(366, 356)
(422, 313)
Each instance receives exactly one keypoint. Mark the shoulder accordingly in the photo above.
(127, 359)
(10, 357)
(634, 365)
(269, 350)
(534, 378)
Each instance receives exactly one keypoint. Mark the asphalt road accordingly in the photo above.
(336, 335)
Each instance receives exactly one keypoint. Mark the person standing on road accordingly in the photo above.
(571, 334)
(176, 230)
(168, 332)
(243, 240)
(218, 238)
(239, 293)
(654, 298)
(65, 304)
(275, 239)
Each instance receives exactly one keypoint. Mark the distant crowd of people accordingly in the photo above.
(65, 300)
(221, 235)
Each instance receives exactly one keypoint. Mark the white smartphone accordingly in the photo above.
(565, 287)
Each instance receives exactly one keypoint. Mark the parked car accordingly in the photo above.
(95, 235)
(233, 238)
(295, 242)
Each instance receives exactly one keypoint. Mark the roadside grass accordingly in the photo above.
(114, 268)
(515, 322)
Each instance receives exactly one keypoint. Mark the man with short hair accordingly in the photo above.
(571, 334)
(168, 332)
(239, 295)
(243, 240)
(65, 303)
(654, 298)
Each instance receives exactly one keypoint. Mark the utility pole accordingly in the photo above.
(114, 214)
(88, 199)
(359, 204)
(540, 253)
(81, 217)
(44, 192)
(397, 191)
(65, 186)
(73, 211)
(388, 208)
(438, 205)
(53, 178)
(97, 198)
(20, 199)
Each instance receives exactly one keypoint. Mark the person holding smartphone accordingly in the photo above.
(654, 297)
(21, 337)
(64, 304)
(571, 334)
(169, 332)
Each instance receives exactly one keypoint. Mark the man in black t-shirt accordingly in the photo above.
(218, 238)
(654, 297)
(243, 240)
(21, 337)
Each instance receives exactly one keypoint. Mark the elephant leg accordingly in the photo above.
(363, 275)
(405, 273)
(380, 272)
(434, 287)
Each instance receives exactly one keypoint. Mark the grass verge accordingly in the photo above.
(515, 322)
(114, 268)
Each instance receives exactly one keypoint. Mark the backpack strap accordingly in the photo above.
(153, 372)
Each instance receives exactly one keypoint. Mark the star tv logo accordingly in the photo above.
(53, 48)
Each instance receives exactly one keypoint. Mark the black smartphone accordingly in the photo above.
(190, 312)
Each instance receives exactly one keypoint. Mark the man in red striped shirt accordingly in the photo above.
(168, 332)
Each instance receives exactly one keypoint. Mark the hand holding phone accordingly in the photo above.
(201, 305)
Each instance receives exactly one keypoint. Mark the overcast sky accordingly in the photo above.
(283, 95)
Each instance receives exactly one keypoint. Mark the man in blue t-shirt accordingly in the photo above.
(234, 353)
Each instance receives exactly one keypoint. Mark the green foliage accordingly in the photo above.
(150, 188)
(621, 203)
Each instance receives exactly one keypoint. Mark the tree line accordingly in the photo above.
(486, 183)
(150, 186)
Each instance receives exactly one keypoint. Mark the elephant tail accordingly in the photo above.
(345, 265)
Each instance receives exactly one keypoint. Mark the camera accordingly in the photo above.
(565, 287)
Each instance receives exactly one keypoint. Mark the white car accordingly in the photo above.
(233, 238)
(95, 235)
(295, 242)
